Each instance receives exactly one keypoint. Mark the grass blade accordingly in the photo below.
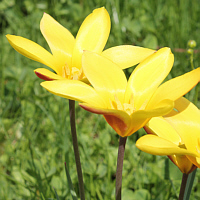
(72, 191)
(56, 194)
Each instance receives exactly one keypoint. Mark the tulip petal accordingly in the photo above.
(105, 76)
(119, 120)
(92, 35)
(60, 40)
(186, 120)
(74, 90)
(158, 146)
(126, 55)
(176, 87)
(148, 75)
(160, 127)
(183, 163)
(47, 75)
(194, 160)
(31, 50)
(141, 117)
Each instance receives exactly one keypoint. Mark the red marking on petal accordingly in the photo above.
(114, 121)
(46, 78)
(92, 110)
(117, 124)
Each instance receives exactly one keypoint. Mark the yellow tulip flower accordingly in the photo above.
(67, 51)
(126, 105)
(176, 135)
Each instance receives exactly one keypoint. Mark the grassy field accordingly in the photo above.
(35, 139)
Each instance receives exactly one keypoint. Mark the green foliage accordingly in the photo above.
(35, 139)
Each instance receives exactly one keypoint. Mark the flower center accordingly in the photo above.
(127, 107)
(72, 73)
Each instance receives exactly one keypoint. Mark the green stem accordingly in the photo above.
(183, 185)
(120, 159)
(75, 146)
(191, 60)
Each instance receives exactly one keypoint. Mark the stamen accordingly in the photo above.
(116, 104)
(119, 104)
(75, 73)
(66, 71)
(71, 73)
(127, 107)
(112, 105)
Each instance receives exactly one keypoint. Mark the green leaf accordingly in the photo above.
(189, 185)
(57, 197)
(150, 41)
(72, 191)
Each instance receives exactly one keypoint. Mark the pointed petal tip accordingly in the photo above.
(102, 9)
(165, 50)
(43, 77)
(7, 35)
(45, 15)
(10, 37)
(47, 75)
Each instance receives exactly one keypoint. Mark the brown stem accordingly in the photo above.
(120, 159)
(75, 146)
(183, 185)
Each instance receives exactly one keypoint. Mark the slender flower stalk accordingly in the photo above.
(75, 146)
(120, 159)
(186, 185)
(183, 186)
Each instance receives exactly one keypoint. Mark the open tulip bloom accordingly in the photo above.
(126, 105)
(176, 135)
(67, 51)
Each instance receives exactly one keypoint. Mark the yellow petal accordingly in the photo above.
(47, 75)
(32, 50)
(60, 40)
(155, 145)
(105, 76)
(148, 75)
(74, 90)
(183, 163)
(141, 117)
(92, 35)
(176, 87)
(194, 160)
(160, 127)
(186, 120)
(126, 55)
(118, 120)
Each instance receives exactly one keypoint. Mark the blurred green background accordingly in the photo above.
(35, 141)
